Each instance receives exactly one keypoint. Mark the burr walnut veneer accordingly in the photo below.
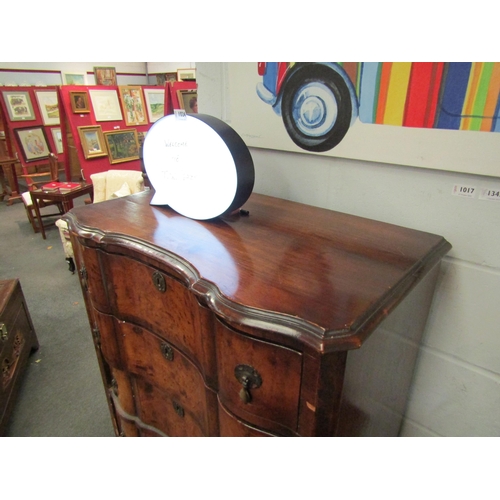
(288, 320)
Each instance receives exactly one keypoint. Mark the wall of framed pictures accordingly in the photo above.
(32, 120)
(106, 125)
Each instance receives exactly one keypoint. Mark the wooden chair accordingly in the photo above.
(34, 181)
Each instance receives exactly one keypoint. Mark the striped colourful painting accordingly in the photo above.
(457, 96)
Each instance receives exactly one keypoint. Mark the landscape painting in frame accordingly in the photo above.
(57, 138)
(123, 145)
(74, 78)
(155, 102)
(49, 106)
(92, 140)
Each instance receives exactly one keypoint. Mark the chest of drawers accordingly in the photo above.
(286, 321)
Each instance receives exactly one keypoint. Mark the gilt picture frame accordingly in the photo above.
(79, 102)
(188, 100)
(92, 139)
(133, 105)
(105, 75)
(123, 145)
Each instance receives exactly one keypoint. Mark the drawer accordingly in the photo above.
(165, 413)
(163, 376)
(230, 426)
(274, 373)
(167, 309)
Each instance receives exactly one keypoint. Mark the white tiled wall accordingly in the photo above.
(456, 390)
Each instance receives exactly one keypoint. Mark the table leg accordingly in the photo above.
(39, 217)
(67, 205)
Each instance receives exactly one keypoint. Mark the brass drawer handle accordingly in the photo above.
(159, 281)
(249, 378)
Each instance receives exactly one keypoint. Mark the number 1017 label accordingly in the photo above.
(467, 191)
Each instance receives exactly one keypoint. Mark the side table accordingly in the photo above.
(65, 198)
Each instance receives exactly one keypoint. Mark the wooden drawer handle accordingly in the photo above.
(249, 378)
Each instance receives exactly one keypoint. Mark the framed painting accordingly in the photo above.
(163, 78)
(92, 140)
(133, 105)
(106, 105)
(186, 75)
(155, 103)
(49, 106)
(105, 75)
(188, 100)
(79, 102)
(123, 145)
(19, 106)
(33, 143)
(74, 78)
(57, 138)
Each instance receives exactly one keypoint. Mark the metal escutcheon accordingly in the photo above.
(159, 281)
(249, 378)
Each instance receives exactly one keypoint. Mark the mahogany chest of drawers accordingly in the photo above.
(281, 320)
(17, 340)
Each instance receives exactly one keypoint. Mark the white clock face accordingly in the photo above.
(191, 167)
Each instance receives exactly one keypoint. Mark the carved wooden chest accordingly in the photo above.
(288, 320)
(17, 340)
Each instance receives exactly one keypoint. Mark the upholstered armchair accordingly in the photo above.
(107, 185)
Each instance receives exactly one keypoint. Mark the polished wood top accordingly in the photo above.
(324, 276)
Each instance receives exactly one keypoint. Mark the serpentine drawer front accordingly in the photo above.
(281, 320)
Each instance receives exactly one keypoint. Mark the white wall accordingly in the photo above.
(456, 390)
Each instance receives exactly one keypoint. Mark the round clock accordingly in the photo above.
(198, 165)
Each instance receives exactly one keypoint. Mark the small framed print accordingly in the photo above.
(188, 100)
(49, 106)
(33, 142)
(133, 105)
(106, 105)
(186, 75)
(57, 138)
(123, 145)
(74, 78)
(79, 102)
(92, 140)
(19, 106)
(155, 103)
(105, 75)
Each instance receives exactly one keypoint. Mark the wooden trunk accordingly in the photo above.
(17, 340)
(289, 321)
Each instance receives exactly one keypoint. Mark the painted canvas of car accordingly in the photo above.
(320, 101)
